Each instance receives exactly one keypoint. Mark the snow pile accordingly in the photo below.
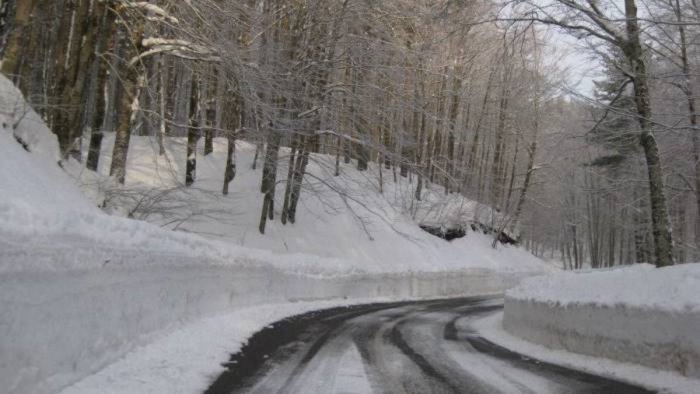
(638, 314)
(32, 181)
(19, 119)
(642, 286)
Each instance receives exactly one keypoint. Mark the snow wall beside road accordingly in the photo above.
(663, 339)
(57, 327)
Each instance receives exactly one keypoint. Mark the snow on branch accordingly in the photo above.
(180, 48)
(309, 112)
(343, 136)
(151, 9)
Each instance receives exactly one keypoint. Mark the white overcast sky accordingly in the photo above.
(583, 68)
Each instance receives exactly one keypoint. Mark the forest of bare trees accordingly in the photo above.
(469, 97)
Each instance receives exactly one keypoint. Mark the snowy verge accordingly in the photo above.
(189, 359)
(639, 314)
(58, 327)
(491, 328)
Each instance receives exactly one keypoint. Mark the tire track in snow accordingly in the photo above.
(411, 347)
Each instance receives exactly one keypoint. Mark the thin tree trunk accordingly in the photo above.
(207, 114)
(230, 172)
(474, 150)
(379, 162)
(302, 162)
(236, 107)
(497, 171)
(193, 134)
(338, 150)
(269, 178)
(163, 73)
(97, 118)
(258, 149)
(290, 180)
(454, 110)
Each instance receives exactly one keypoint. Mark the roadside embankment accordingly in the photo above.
(639, 314)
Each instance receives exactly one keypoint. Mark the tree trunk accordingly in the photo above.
(497, 170)
(66, 49)
(300, 170)
(192, 137)
(124, 98)
(269, 177)
(13, 56)
(97, 117)
(163, 73)
(230, 172)
(454, 110)
(338, 150)
(474, 150)
(290, 179)
(691, 103)
(422, 148)
(233, 123)
(661, 229)
(207, 114)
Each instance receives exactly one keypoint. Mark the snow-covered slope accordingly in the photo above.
(344, 224)
(32, 181)
(343, 218)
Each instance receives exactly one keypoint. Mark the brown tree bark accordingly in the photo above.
(13, 57)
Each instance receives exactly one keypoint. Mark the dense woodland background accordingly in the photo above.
(468, 96)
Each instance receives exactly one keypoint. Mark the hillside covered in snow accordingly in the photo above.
(349, 218)
(344, 223)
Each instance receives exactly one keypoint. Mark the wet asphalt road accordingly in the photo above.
(410, 347)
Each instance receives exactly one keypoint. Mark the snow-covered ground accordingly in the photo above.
(81, 289)
(638, 314)
(189, 359)
(343, 218)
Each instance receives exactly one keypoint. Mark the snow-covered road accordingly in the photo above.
(416, 347)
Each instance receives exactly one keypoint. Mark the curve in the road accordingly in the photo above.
(407, 347)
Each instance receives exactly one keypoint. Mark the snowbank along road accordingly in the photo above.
(411, 347)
